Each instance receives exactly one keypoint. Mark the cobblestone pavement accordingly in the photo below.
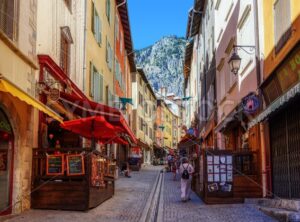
(127, 205)
(195, 210)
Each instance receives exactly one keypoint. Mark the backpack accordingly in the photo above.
(185, 174)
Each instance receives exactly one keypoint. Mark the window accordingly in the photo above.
(117, 29)
(146, 108)
(282, 23)
(64, 54)
(141, 81)
(141, 123)
(96, 84)
(108, 55)
(108, 10)
(96, 25)
(141, 99)
(69, 4)
(150, 133)
(8, 18)
(146, 129)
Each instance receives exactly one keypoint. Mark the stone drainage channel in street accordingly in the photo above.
(153, 210)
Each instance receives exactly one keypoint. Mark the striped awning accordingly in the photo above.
(277, 104)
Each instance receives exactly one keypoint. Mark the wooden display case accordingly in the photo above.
(82, 179)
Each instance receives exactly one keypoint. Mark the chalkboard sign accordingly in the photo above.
(75, 165)
(55, 164)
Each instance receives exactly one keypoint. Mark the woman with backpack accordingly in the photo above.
(186, 171)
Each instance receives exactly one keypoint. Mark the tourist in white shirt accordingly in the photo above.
(186, 171)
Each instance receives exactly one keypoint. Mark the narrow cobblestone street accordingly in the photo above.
(195, 210)
(131, 198)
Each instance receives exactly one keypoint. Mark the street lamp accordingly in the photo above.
(234, 63)
(235, 60)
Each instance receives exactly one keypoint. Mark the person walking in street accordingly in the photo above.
(186, 171)
(170, 160)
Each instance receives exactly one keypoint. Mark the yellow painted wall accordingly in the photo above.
(272, 60)
(96, 53)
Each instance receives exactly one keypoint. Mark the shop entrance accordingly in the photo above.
(6, 163)
(285, 151)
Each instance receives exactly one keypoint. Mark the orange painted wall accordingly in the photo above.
(271, 59)
(120, 55)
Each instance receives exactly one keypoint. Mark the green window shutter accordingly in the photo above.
(100, 31)
(93, 17)
(106, 54)
(96, 86)
(101, 88)
(91, 80)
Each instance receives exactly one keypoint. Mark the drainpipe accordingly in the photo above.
(258, 78)
(84, 49)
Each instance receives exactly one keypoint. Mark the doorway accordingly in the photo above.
(6, 164)
(285, 151)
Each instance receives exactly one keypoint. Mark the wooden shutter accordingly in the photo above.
(64, 54)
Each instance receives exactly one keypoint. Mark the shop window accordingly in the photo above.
(282, 23)
(244, 164)
(9, 18)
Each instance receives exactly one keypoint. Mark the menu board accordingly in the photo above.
(55, 164)
(75, 165)
(219, 172)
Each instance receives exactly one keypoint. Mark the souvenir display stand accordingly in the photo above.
(76, 178)
(218, 169)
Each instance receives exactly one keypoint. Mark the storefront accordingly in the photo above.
(72, 168)
(17, 130)
(282, 117)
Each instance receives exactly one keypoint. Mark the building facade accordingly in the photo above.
(279, 119)
(144, 112)
(219, 29)
(100, 45)
(18, 128)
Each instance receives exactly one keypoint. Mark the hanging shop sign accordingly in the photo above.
(251, 104)
(55, 164)
(75, 165)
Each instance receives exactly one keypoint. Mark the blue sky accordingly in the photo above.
(152, 19)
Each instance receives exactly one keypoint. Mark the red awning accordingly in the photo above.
(95, 127)
(86, 108)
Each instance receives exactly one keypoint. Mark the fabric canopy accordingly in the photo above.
(8, 87)
(87, 108)
(96, 127)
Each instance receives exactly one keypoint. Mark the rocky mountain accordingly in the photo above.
(162, 63)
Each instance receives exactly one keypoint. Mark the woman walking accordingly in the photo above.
(186, 172)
